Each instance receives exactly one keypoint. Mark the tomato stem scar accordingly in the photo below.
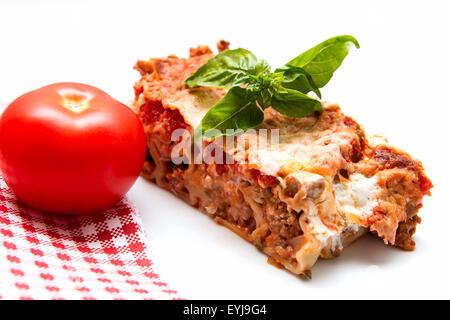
(75, 101)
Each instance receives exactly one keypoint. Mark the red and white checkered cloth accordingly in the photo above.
(101, 256)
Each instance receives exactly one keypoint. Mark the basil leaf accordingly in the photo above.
(264, 98)
(229, 68)
(237, 110)
(322, 60)
(265, 86)
(294, 103)
(298, 79)
(261, 67)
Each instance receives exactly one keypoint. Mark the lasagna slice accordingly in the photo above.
(325, 186)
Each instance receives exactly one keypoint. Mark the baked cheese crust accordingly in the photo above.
(326, 184)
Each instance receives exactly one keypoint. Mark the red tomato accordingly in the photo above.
(70, 148)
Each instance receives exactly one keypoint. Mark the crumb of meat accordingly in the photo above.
(405, 231)
(222, 45)
(281, 221)
(144, 67)
(199, 51)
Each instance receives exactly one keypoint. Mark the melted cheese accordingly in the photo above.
(315, 225)
(311, 144)
(357, 196)
(309, 153)
(194, 104)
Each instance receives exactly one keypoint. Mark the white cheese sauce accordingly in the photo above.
(358, 196)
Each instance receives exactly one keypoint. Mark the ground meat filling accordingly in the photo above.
(225, 190)
(404, 233)
(271, 209)
(284, 227)
(281, 221)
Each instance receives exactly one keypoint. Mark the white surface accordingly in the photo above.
(397, 84)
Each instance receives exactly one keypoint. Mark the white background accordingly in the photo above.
(396, 84)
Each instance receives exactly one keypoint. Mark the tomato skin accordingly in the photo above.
(64, 159)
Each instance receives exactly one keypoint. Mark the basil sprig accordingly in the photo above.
(237, 111)
(254, 88)
(322, 60)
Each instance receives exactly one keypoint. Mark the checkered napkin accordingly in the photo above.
(100, 256)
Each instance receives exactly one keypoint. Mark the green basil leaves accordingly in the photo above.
(294, 104)
(322, 60)
(228, 69)
(254, 88)
(237, 111)
(298, 79)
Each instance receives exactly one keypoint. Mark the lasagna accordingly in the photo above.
(325, 185)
